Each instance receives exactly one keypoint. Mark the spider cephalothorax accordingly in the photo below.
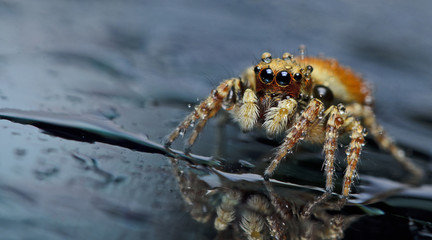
(281, 76)
(302, 98)
(279, 79)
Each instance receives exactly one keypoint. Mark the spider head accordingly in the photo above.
(281, 76)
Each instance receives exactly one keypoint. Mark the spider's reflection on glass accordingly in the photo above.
(258, 211)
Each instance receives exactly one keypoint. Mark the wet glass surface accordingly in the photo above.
(90, 89)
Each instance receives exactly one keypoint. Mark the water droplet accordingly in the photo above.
(189, 105)
(364, 132)
(209, 192)
(287, 56)
(213, 92)
(204, 209)
(368, 100)
(302, 51)
(109, 112)
(302, 136)
(380, 131)
(266, 57)
(401, 153)
(182, 132)
(341, 108)
(246, 163)
(301, 96)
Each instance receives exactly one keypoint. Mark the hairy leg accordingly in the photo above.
(193, 191)
(198, 128)
(385, 141)
(334, 122)
(334, 119)
(296, 133)
(353, 155)
(221, 96)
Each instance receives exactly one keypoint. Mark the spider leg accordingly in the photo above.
(181, 128)
(334, 118)
(296, 133)
(199, 127)
(193, 191)
(276, 118)
(334, 122)
(222, 95)
(226, 210)
(286, 209)
(353, 155)
(386, 142)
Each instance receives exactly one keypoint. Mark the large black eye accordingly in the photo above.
(283, 78)
(323, 93)
(266, 76)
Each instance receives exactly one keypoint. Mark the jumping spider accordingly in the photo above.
(304, 98)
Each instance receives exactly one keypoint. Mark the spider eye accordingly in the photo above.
(297, 76)
(267, 76)
(283, 78)
(323, 93)
(257, 69)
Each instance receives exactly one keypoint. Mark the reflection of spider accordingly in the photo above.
(284, 97)
(254, 215)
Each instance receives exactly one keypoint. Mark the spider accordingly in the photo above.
(301, 98)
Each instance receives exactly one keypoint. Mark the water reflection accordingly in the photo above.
(230, 198)
(259, 211)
